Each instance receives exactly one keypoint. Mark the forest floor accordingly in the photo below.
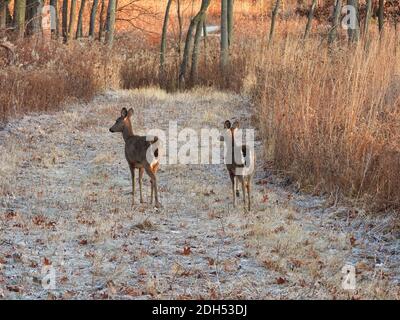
(65, 210)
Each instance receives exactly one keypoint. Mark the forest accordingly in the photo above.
(317, 80)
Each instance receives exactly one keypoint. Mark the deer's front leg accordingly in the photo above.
(141, 172)
(132, 168)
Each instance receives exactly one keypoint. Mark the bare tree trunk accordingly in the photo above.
(367, 18)
(163, 46)
(180, 25)
(205, 39)
(55, 32)
(101, 22)
(33, 16)
(80, 20)
(189, 36)
(381, 10)
(309, 19)
(335, 21)
(72, 17)
(224, 56)
(195, 53)
(273, 18)
(3, 13)
(65, 21)
(354, 34)
(230, 21)
(20, 10)
(93, 14)
(111, 22)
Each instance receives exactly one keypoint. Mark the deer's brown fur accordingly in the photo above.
(140, 152)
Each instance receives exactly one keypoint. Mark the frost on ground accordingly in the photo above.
(65, 207)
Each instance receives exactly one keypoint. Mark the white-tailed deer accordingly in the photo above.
(240, 161)
(141, 153)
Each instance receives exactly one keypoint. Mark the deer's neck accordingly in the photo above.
(128, 131)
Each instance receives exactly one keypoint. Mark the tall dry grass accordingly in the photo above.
(331, 118)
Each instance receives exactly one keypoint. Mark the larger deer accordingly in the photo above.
(141, 153)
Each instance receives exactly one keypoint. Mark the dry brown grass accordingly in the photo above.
(331, 120)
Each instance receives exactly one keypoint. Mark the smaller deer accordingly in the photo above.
(140, 152)
(239, 161)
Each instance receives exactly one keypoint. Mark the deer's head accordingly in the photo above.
(123, 121)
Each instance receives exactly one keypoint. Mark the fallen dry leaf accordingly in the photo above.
(281, 280)
(186, 251)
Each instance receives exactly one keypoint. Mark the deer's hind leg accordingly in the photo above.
(153, 179)
(141, 172)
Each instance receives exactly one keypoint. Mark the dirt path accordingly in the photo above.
(65, 205)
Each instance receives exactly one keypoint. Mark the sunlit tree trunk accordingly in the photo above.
(335, 21)
(111, 22)
(273, 18)
(224, 56)
(163, 46)
(72, 18)
(80, 20)
(20, 11)
(189, 38)
(93, 14)
(309, 19)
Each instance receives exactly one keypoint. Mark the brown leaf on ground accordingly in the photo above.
(211, 261)
(83, 242)
(46, 262)
(186, 251)
(352, 241)
(14, 288)
(265, 198)
(142, 272)
(281, 280)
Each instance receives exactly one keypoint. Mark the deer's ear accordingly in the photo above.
(130, 112)
(227, 124)
(235, 125)
(124, 112)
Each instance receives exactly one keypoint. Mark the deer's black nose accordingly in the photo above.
(111, 130)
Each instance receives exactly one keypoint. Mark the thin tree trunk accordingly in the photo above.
(93, 14)
(20, 10)
(3, 13)
(111, 22)
(381, 10)
(55, 32)
(335, 22)
(273, 18)
(195, 53)
(224, 55)
(33, 16)
(230, 21)
(72, 18)
(205, 39)
(101, 22)
(309, 19)
(65, 21)
(189, 36)
(367, 18)
(354, 34)
(180, 25)
(9, 18)
(80, 20)
(163, 46)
